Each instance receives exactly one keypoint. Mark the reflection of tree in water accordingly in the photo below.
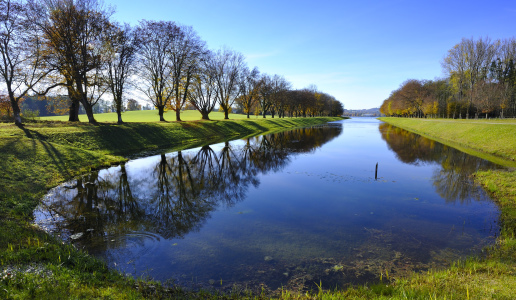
(453, 181)
(177, 194)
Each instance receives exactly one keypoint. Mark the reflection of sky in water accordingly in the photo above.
(291, 216)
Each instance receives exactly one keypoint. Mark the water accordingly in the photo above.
(289, 209)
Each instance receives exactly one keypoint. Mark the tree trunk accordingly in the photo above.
(226, 114)
(119, 110)
(178, 115)
(89, 111)
(16, 111)
(161, 110)
(73, 114)
(119, 113)
(204, 115)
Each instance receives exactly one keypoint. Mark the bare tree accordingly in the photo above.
(155, 62)
(203, 94)
(228, 65)
(21, 56)
(121, 46)
(186, 51)
(279, 86)
(73, 31)
(455, 64)
(249, 87)
(266, 90)
(503, 71)
(479, 55)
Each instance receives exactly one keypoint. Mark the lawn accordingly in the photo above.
(151, 116)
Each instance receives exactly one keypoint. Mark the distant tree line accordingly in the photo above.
(481, 82)
(73, 47)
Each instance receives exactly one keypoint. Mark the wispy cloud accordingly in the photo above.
(259, 55)
(320, 79)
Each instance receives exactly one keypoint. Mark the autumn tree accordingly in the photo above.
(265, 93)
(133, 105)
(249, 86)
(74, 32)
(456, 67)
(5, 106)
(278, 99)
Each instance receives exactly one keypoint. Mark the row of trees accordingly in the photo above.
(481, 82)
(73, 46)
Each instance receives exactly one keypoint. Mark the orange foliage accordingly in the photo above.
(5, 106)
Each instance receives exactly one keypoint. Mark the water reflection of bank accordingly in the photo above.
(169, 195)
(453, 180)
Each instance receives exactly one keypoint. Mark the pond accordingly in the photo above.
(290, 209)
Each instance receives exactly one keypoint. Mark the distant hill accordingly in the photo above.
(371, 112)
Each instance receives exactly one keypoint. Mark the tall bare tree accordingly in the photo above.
(479, 55)
(120, 48)
(21, 55)
(228, 65)
(155, 62)
(203, 94)
(455, 64)
(74, 31)
(187, 49)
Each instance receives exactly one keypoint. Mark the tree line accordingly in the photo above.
(480, 82)
(74, 47)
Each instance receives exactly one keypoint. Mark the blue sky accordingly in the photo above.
(357, 51)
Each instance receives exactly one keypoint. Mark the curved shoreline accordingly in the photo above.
(39, 156)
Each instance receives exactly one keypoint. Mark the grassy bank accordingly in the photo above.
(150, 116)
(41, 155)
(492, 276)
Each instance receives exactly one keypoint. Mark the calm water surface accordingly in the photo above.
(287, 209)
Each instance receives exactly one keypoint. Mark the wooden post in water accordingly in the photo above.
(376, 172)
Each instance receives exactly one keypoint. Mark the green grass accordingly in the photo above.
(41, 155)
(493, 138)
(151, 116)
(492, 276)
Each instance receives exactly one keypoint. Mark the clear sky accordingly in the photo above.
(358, 51)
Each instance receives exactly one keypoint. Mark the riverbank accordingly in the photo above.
(494, 274)
(41, 155)
(35, 265)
